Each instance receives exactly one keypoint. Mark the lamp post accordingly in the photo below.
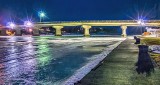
(141, 22)
(41, 15)
(11, 25)
(28, 25)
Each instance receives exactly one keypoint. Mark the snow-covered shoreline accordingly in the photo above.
(79, 74)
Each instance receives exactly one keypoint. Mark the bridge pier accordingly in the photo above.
(35, 31)
(58, 30)
(3, 32)
(18, 31)
(86, 30)
(124, 28)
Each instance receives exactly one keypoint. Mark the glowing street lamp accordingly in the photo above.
(11, 25)
(28, 24)
(141, 22)
(41, 15)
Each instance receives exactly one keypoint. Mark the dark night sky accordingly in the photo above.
(69, 10)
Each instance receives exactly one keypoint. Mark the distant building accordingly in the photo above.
(153, 31)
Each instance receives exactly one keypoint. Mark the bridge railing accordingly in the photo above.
(102, 21)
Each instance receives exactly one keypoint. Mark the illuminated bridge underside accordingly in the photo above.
(100, 23)
(87, 25)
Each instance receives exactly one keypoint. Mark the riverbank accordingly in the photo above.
(118, 68)
(151, 41)
(154, 45)
(79, 74)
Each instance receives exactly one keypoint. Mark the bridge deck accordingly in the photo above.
(100, 23)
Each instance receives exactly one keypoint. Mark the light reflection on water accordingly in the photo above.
(45, 60)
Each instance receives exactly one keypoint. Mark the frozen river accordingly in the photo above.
(50, 60)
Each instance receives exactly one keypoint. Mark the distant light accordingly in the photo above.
(11, 25)
(141, 22)
(28, 24)
(30, 30)
(42, 14)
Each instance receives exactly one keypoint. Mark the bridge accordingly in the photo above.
(87, 25)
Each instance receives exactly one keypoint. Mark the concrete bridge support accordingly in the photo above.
(3, 32)
(35, 31)
(124, 28)
(18, 31)
(86, 30)
(58, 30)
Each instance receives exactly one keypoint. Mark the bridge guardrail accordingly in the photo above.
(94, 21)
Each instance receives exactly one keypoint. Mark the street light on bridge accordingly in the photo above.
(141, 22)
(41, 15)
(11, 25)
(28, 24)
